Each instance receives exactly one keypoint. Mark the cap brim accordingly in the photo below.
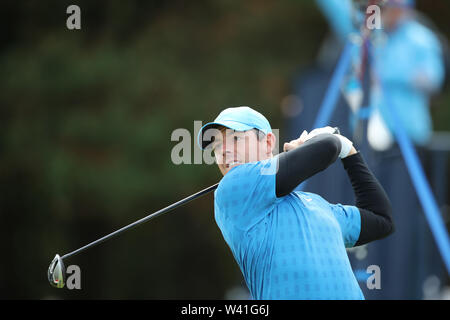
(237, 126)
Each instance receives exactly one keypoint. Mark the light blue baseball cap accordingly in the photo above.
(237, 118)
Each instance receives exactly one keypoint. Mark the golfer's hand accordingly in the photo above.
(318, 131)
(347, 148)
(305, 136)
(352, 151)
(295, 143)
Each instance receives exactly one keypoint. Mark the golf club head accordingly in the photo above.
(57, 273)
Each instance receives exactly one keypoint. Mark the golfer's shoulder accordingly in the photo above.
(247, 177)
(421, 35)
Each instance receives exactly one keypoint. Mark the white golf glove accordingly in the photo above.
(346, 144)
(318, 131)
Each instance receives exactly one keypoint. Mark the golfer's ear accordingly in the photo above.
(271, 141)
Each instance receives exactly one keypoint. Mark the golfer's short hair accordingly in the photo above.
(259, 134)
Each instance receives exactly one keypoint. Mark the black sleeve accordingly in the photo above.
(371, 200)
(299, 164)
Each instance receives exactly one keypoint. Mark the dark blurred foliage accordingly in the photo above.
(86, 118)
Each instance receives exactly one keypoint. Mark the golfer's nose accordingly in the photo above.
(229, 148)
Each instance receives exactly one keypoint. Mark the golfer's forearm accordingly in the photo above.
(299, 164)
(371, 200)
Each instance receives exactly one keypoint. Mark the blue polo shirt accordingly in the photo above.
(291, 247)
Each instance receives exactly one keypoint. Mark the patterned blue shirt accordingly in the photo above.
(292, 247)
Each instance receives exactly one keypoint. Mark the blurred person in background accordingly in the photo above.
(408, 60)
(408, 64)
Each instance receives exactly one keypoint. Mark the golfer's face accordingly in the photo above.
(232, 148)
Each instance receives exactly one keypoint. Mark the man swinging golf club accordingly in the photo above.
(290, 244)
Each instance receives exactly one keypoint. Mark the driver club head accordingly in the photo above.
(57, 273)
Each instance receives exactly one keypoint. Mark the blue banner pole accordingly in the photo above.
(331, 96)
(329, 102)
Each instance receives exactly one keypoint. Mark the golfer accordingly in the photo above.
(291, 244)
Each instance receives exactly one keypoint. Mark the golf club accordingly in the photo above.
(56, 271)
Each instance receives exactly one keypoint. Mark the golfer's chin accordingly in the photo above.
(225, 169)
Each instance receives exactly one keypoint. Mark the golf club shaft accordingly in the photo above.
(140, 221)
(149, 217)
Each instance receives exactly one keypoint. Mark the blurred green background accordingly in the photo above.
(86, 118)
